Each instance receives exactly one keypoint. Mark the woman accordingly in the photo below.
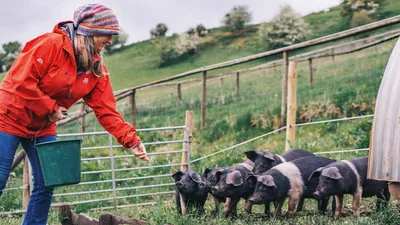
(52, 72)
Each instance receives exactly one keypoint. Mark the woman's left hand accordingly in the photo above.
(140, 152)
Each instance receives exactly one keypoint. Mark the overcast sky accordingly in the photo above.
(23, 20)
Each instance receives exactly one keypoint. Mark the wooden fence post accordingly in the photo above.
(133, 107)
(83, 118)
(203, 99)
(221, 86)
(291, 105)
(311, 72)
(178, 87)
(284, 86)
(26, 184)
(187, 145)
(237, 85)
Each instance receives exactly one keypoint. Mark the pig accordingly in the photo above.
(288, 179)
(188, 193)
(349, 177)
(230, 184)
(264, 160)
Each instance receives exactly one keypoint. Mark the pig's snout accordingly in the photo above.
(202, 185)
(317, 194)
(179, 184)
(255, 198)
(216, 189)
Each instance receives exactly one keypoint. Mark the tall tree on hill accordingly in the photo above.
(8, 54)
(360, 12)
(237, 18)
(160, 30)
(285, 29)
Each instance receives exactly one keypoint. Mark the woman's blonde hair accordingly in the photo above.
(84, 54)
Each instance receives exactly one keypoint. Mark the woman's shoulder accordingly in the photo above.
(47, 40)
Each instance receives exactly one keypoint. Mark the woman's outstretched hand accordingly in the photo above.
(140, 152)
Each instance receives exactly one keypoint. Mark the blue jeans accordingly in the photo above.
(40, 200)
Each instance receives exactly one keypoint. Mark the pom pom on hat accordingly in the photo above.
(96, 20)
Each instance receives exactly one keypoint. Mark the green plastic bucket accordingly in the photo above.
(60, 161)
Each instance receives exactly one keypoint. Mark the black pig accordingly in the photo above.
(264, 160)
(232, 186)
(288, 179)
(188, 193)
(212, 176)
(349, 177)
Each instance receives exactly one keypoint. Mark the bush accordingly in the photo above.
(285, 29)
(237, 18)
(360, 18)
(179, 48)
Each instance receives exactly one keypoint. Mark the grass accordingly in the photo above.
(346, 86)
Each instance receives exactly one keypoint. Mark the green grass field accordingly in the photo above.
(343, 87)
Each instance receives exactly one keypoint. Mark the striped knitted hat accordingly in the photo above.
(95, 20)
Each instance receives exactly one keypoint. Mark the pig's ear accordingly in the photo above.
(217, 172)
(206, 171)
(234, 178)
(177, 176)
(268, 155)
(267, 180)
(195, 177)
(332, 172)
(251, 180)
(252, 155)
(316, 173)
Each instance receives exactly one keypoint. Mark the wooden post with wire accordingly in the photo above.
(311, 72)
(26, 184)
(83, 117)
(187, 145)
(237, 85)
(178, 87)
(203, 99)
(284, 86)
(133, 107)
(291, 105)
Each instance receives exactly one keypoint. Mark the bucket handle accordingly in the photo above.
(66, 114)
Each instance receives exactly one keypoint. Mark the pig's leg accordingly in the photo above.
(323, 204)
(267, 210)
(216, 203)
(357, 202)
(247, 206)
(230, 205)
(293, 201)
(183, 205)
(178, 202)
(339, 202)
(382, 199)
(278, 208)
(300, 205)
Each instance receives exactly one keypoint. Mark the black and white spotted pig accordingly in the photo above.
(264, 160)
(188, 193)
(288, 179)
(232, 186)
(349, 177)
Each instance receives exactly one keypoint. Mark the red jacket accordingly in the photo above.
(43, 78)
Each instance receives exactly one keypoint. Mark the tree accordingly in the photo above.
(160, 30)
(237, 18)
(9, 54)
(360, 12)
(201, 30)
(285, 29)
